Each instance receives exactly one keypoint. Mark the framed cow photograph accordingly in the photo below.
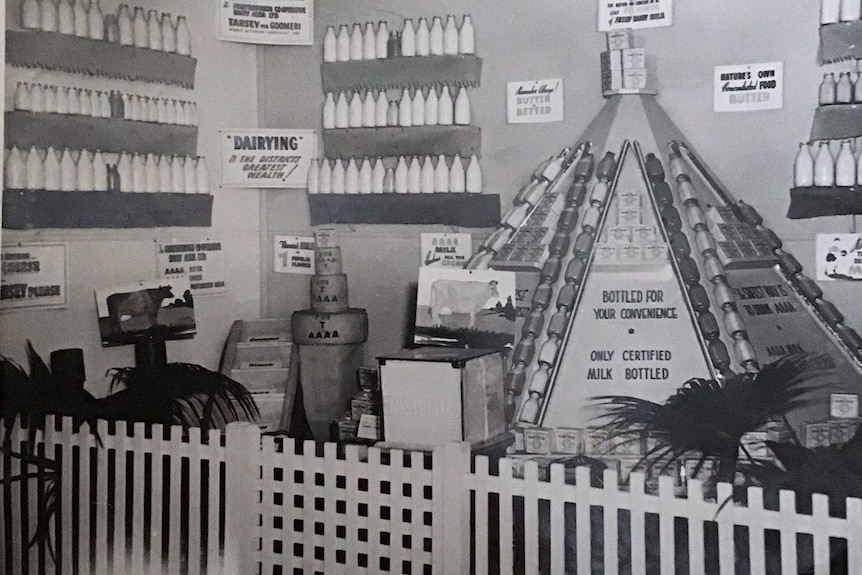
(158, 307)
(465, 308)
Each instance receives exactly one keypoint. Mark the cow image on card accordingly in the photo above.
(160, 307)
(465, 308)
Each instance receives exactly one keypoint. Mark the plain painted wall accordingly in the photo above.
(752, 153)
(226, 93)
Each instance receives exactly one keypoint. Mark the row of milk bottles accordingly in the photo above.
(364, 42)
(417, 110)
(103, 104)
(90, 171)
(84, 18)
(832, 11)
(409, 176)
(823, 167)
(847, 89)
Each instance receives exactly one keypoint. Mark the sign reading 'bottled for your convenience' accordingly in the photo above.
(746, 87)
(535, 101)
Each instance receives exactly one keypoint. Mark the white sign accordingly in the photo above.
(266, 158)
(535, 101)
(284, 22)
(33, 276)
(441, 250)
(746, 87)
(293, 255)
(200, 263)
(839, 256)
(620, 14)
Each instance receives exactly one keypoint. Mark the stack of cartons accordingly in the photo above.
(624, 67)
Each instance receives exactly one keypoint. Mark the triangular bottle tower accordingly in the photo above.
(647, 273)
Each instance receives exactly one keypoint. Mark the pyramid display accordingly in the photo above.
(639, 271)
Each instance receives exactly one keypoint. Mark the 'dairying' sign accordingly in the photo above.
(266, 158)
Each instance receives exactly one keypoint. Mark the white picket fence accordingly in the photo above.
(160, 500)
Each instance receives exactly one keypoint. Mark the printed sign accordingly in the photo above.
(201, 263)
(266, 158)
(746, 87)
(535, 101)
(839, 257)
(619, 14)
(155, 307)
(445, 250)
(284, 22)
(293, 255)
(33, 276)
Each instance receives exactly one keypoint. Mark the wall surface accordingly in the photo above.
(226, 93)
(752, 153)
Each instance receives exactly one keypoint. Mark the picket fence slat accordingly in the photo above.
(418, 531)
(820, 508)
(583, 528)
(531, 517)
(138, 498)
(194, 515)
(481, 535)
(637, 507)
(557, 519)
(610, 506)
(157, 476)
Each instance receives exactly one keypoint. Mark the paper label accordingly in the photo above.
(33, 276)
(535, 101)
(201, 263)
(747, 87)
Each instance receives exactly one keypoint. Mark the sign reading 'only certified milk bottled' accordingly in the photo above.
(534, 101)
(746, 87)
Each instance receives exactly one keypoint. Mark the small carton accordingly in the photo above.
(843, 405)
(568, 441)
(605, 254)
(539, 441)
(629, 199)
(595, 440)
(630, 216)
(634, 78)
(654, 252)
(840, 431)
(630, 253)
(633, 58)
(817, 435)
(619, 39)
(754, 443)
(519, 440)
(645, 234)
(612, 80)
(619, 235)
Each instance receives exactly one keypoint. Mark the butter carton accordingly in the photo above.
(843, 405)
(634, 78)
(539, 441)
(619, 235)
(817, 435)
(633, 58)
(619, 39)
(568, 441)
(611, 60)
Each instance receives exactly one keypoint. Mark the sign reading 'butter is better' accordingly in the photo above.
(746, 87)
(535, 101)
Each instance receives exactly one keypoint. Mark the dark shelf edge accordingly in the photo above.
(403, 141)
(76, 132)
(41, 209)
(836, 122)
(815, 202)
(838, 41)
(460, 70)
(54, 51)
(462, 210)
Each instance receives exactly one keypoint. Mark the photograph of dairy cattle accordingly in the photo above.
(154, 307)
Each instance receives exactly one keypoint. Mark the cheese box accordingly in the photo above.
(619, 39)
(435, 395)
(568, 441)
(634, 78)
(817, 435)
(843, 405)
(633, 58)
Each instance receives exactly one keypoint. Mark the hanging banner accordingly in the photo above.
(293, 255)
(441, 250)
(282, 22)
(619, 14)
(747, 87)
(839, 257)
(266, 158)
(33, 276)
(199, 263)
(534, 101)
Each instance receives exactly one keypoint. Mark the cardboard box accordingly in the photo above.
(619, 39)
(634, 78)
(435, 395)
(633, 58)
(569, 441)
(817, 435)
(539, 441)
(612, 80)
(843, 405)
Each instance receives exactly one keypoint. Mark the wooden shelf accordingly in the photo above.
(627, 91)
(52, 51)
(463, 210)
(37, 209)
(836, 122)
(401, 73)
(397, 141)
(25, 129)
(840, 41)
(815, 202)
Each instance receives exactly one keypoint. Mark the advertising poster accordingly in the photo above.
(293, 255)
(283, 22)
(201, 263)
(441, 250)
(621, 14)
(747, 87)
(266, 158)
(535, 101)
(155, 307)
(839, 257)
(33, 276)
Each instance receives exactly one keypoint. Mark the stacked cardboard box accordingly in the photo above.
(624, 67)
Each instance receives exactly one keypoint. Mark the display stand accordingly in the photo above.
(840, 41)
(151, 350)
